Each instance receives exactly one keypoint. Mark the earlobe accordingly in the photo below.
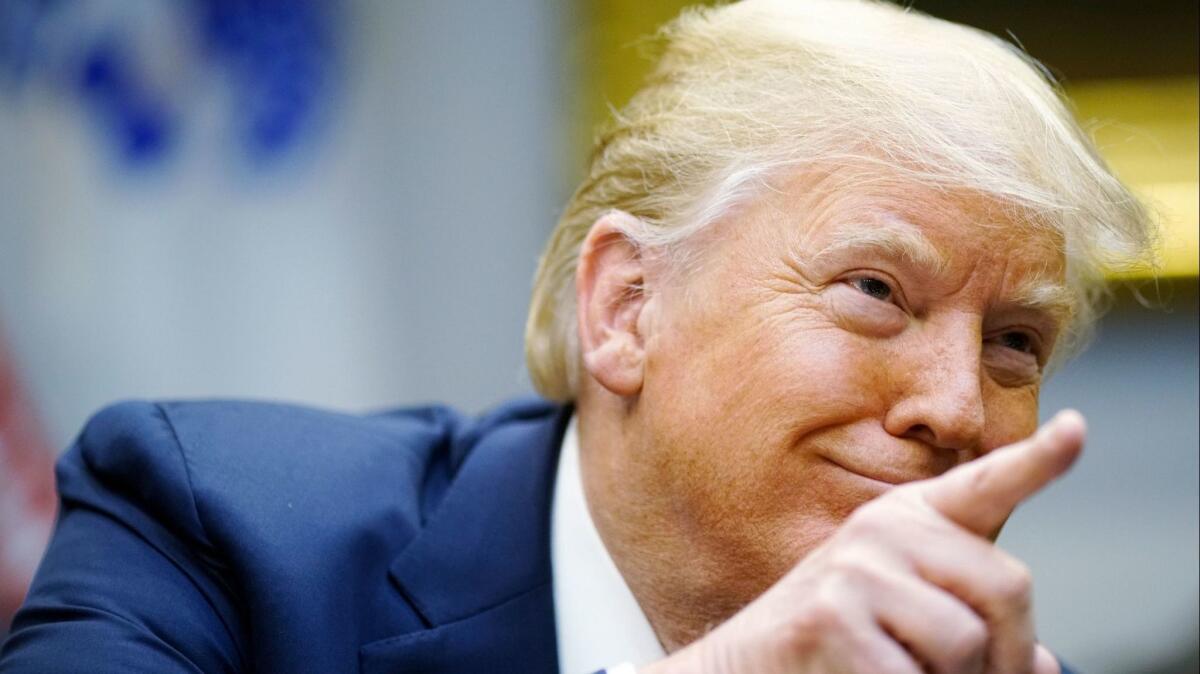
(610, 296)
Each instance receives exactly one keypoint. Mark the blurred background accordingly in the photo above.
(341, 203)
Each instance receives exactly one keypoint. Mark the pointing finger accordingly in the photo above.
(981, 494)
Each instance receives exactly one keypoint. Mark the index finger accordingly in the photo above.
(981, 494)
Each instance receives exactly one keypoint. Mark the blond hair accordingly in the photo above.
(745, 91)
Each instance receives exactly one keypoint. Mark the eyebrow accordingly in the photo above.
(894, 238)
(1049, 297)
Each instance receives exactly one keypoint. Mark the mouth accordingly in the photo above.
(882, 477)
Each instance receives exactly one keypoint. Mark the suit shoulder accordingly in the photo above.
(284, 461)
(259, 435)
(275, 475)
(298, 442)
(233, 462)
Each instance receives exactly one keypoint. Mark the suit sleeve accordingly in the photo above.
(129, 581)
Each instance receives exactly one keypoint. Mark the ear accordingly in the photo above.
(610, 296)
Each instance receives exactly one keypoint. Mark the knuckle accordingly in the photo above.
(879, 661)
(803, 635)
(798, 639)
(853, 572)
(1016, 585)
(968, 645)
(824, 613)
(894, 520)
(873, 519)
(840, 560)
(863, 520)
(902, 497)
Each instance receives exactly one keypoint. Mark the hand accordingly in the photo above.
(908, 584)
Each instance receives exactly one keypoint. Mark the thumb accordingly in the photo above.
(981, 494)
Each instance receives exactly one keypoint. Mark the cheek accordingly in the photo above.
(1011, 413)
(763, 382)
(783, 362)
(832, 376)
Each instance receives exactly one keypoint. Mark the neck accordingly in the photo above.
(647, 536)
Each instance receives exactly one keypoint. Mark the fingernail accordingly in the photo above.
(1063, 425)
(1068, 418)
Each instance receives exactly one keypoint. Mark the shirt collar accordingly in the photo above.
(599, 622)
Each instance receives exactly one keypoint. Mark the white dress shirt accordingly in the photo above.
(599, 621)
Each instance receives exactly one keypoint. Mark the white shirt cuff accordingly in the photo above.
(623, 668)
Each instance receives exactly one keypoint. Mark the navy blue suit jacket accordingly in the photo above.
(237, 537)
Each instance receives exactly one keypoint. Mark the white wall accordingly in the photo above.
(388, 261)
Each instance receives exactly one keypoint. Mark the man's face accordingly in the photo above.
(839, 340)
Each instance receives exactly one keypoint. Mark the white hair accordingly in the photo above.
(746, 91)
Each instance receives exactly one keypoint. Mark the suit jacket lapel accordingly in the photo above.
(479, 573)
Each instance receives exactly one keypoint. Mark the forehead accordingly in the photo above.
(948, 235)
(827, 204)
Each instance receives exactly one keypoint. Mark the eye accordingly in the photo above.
(874, 287)
(1014, 357)
(1017, 341)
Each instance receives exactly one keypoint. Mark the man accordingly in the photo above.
(796, 319)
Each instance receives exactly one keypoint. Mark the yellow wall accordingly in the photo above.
(1148, 132)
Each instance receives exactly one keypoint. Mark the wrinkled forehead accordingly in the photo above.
(826, 202)
(850, 190)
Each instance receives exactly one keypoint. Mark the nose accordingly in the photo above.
(939, 391)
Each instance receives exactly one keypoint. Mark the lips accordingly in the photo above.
(890, 470)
